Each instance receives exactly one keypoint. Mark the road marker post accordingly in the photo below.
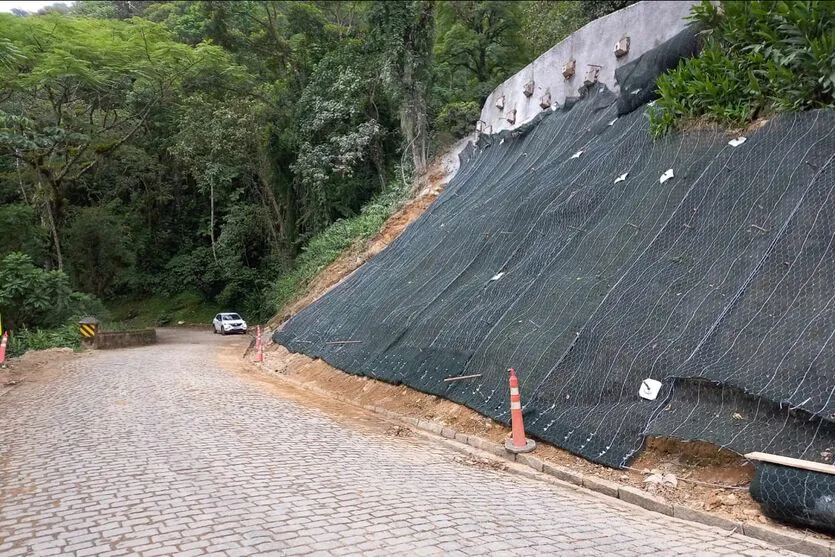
(260, 356)
(517, 443)
(89, 328)
(3, 344)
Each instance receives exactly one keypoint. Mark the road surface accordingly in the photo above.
(165, 450)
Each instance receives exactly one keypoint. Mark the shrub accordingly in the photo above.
(326, 246)
(25, 339)
(758, 57)
(32, 297)
(458, 118)
(594, 9)
(164, 318)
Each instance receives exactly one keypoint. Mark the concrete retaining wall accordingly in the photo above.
(125, 339)
(647, 24)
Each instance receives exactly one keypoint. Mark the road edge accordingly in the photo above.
(533, 467)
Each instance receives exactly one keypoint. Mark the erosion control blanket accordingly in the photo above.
(563, 251)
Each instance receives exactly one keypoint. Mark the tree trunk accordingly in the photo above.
(377, 161)
(212, 219)
(55, 238)
(419, 147)
(20, 180)
(270, 201)
(413, 125)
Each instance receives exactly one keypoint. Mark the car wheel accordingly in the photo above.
(214, 330)
(223, 332)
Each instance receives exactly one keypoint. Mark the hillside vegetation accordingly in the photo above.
(758, 58)
(223, 151)
(172, 159)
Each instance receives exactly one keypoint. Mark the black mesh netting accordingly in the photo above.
(637, 78)
(799, 496)
(719, 282)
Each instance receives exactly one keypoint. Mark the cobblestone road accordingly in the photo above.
(158, 451)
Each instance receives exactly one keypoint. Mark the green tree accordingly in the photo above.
(79, 90)
(100, 9)
(403, 35)
(544, 23)
(340, 162)
(594, 9)
(99, 250)
(218, 142)
(479, 45)
(32, 297)
(22, 232)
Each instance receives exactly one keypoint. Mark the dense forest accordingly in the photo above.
(199, 149)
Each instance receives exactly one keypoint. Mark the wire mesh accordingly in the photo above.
(719, 282)
(799, 496)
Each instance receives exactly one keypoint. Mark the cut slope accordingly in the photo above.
(717, 282)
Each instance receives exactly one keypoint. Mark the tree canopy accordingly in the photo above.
(157, 148)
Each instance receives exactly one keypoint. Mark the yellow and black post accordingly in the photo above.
(89, 326)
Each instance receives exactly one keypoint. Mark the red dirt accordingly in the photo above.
(35, 366)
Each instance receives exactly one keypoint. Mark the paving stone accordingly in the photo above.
(159, 450)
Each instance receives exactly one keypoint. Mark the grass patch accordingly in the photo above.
(159, 311)
(328, 245)
(23, 340)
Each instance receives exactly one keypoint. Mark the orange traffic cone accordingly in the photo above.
(3, 347)
(517, 442)
(260, 356)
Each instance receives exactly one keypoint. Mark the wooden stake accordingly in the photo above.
(792, 462)
(460, 377)
(343, 342)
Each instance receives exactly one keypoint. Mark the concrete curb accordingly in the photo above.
(531, 466)
(125, 339)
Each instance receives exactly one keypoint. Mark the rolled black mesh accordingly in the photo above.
(798, 496)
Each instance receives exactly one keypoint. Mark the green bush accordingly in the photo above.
(594, 9)
(326, 246)
(25, 339)
(458, 118)
(32, 297)
(758, 57)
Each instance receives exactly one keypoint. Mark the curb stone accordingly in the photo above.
(601, 486)
(789, 540)
(530, 460)
(535, 468)
(563, 473)
(694, 515)
(643, 499)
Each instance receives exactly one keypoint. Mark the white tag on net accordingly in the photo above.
(649, 389)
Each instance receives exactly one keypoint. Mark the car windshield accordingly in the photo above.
(231, 317)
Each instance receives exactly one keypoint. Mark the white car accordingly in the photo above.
(225, 323)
